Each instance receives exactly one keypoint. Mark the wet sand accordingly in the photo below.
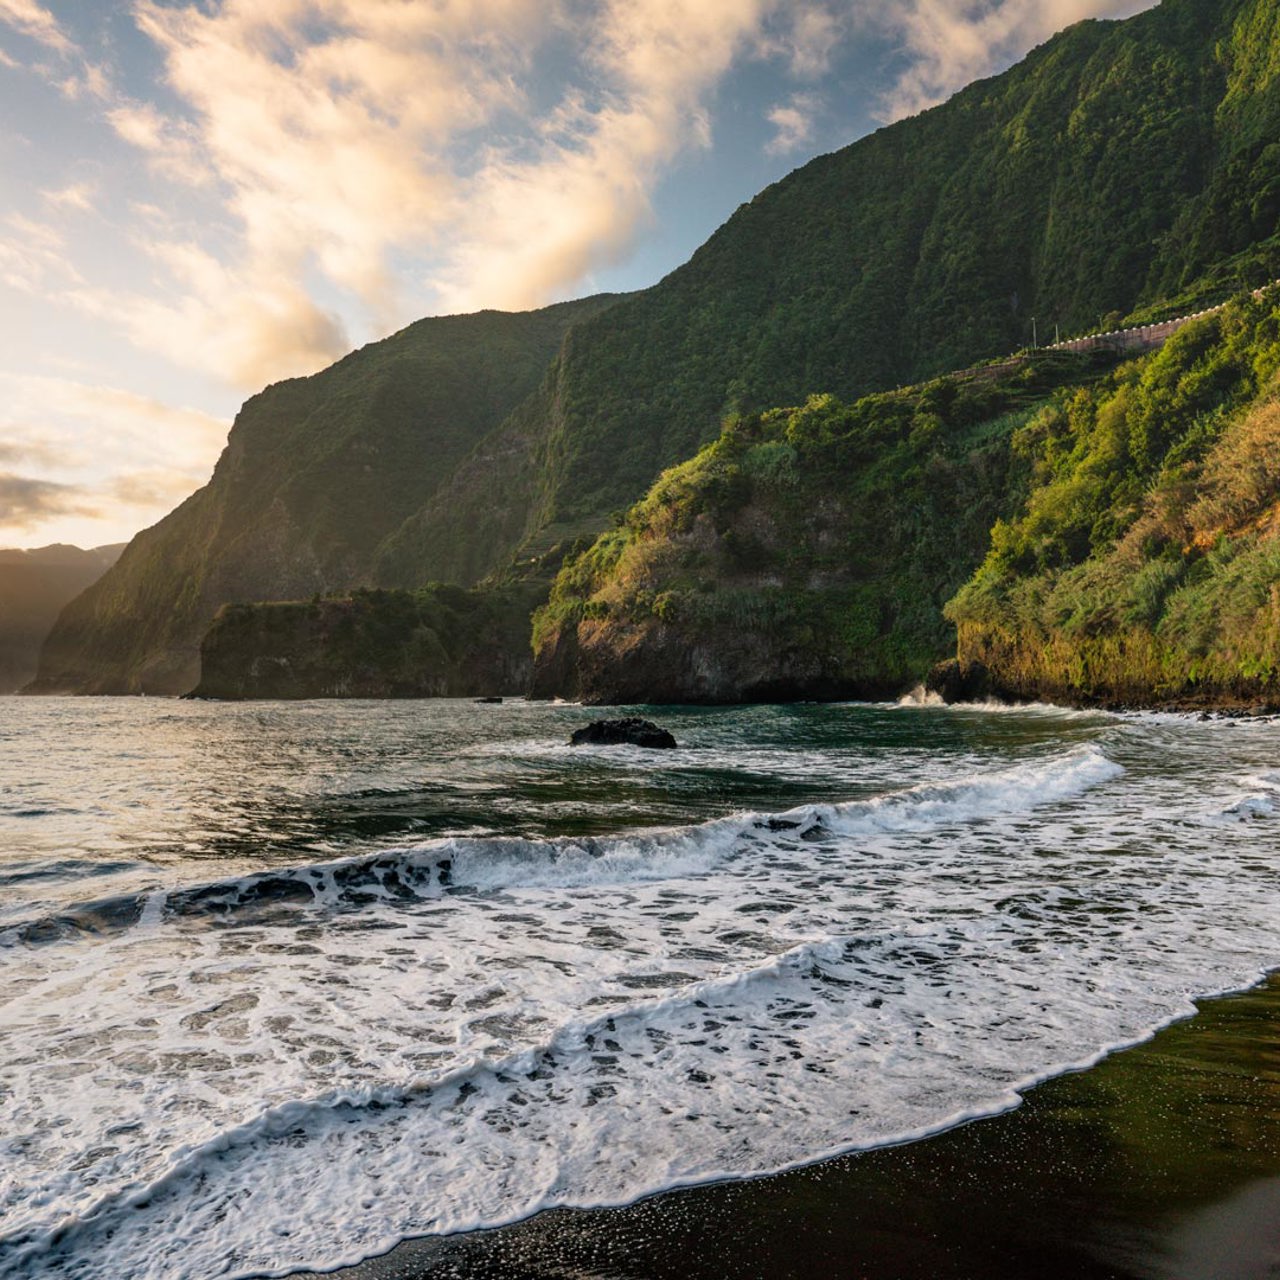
(1161, 1162)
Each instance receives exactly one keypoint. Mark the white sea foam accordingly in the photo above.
(304, 1067)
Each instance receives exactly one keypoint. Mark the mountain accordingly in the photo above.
(1143, 566)
(1122, 168)
(34, 587)
(316, 472)
(806, 553)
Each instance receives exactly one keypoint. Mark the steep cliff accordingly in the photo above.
(317, 471)
(439, 642)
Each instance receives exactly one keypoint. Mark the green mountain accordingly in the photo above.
(1122, 168)
(34, 587)
(806, 553)
(316, 473)
(1144, 564)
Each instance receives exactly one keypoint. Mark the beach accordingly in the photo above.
(1161, 1162)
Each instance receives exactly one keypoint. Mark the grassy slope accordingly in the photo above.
(317, 471)
(1145, 564)
(805, 553)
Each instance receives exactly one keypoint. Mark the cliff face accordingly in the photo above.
(807, 553)
(1144, 566)
(440, 642)
(316, 473)
(34, 588)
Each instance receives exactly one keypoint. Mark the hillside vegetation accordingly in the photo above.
(1124, 168)
(806, 553)
(1144, 565)
(1121, 168)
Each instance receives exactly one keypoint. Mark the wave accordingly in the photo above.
(478, 864)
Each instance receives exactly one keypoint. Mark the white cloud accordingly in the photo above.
(33, 256)
(539, 225)
(75, 195)
(793, 124)
(342, 135)
(950, 43)
(34, 20)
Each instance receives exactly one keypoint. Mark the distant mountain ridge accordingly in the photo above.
(1124, 167)
(35, 586)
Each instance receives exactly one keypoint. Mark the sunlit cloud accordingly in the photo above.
(793, 123)
(76, 195)
(34, 20)
(33, 256)
(95, 459)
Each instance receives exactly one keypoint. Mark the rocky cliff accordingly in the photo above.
(807, 553)
(316, 474)
(438, 642)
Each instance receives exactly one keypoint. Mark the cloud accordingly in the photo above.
(33, 256)
(248, 325)
(950, 43)
(34, 20)
(26, 502)
(76, 195)
(406, 156)
(96, 461)
(537, 225)
(152, 487)
(12, 452)
(811, 36)
(793, 124)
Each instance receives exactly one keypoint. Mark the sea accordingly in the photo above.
(284, 984)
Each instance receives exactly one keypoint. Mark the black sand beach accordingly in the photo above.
(1161, 1162)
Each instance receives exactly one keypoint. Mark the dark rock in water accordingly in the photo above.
(638, 733)
(953, 681)
(489, 701)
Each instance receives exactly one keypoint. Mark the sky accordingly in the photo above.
(198, 199)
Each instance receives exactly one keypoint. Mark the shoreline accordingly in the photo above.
(1161, 1160)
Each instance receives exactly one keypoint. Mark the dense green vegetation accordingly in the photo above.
(1123, 169)
(441, 641)
(1111, 173)
(1145, 563)
(805, 553)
